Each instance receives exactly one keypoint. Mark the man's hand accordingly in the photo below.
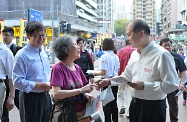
(43, 85)
(10, 103)
(102, 83)
(139, 85)
(181, 86)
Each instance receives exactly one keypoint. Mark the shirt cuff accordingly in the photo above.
(114, 83)
(30, 87)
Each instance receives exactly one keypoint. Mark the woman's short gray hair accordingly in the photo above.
(61, 47)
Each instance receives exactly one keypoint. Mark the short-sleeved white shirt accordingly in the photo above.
(6, 62)
(109, 62)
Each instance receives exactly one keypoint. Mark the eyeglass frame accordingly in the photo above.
(39, 36)
(6, 35)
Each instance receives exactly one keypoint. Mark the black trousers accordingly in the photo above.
(5, 116)
(173, 106)
(184, 93)
(147, 110)
(111, 109)
(37, 106)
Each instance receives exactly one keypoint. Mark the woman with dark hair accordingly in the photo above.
(70, 87)
(85, 61)
(109, 67)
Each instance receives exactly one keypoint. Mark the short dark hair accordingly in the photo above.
(61, 47)
(165, 39)
(108, 44)
(34, 25)
(10, 30)
(138, 25)
(79, 39)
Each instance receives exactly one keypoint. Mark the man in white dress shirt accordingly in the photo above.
(150, 72)
(6, 65)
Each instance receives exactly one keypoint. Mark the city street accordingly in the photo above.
(14, 115)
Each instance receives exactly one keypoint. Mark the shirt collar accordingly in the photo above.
(147, 49)
(108, 51)
(36, 50)
(9, 45)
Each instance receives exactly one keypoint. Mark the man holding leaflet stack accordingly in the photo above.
(151, 74)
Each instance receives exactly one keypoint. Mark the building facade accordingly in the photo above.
(145, 9)
(173, 19)
(105, 16)
(81, 14)
(123, 10)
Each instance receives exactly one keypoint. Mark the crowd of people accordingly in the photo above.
(149, 74)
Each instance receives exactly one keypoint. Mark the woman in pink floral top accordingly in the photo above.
(69, 84)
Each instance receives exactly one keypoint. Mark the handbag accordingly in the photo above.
(63, 111)
(106, 96)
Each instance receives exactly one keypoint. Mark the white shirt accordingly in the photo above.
(109, 62)
(155, 66)
(6, 62)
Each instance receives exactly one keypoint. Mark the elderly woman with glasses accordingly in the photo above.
(70, 87)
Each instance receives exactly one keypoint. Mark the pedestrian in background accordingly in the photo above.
(100, 52)
(69, 84)
(181, 70)
(90, 50)
(124, 55)
(31, 75)
(147, 73)
(8, 36)
(85, 61)
(109, 67)
(6, 65)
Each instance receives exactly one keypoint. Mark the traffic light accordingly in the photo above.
(64, 26)
(158, 28)
(68, 28)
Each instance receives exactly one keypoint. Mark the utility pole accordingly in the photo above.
(52, 14)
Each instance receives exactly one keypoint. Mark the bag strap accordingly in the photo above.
(51, 116)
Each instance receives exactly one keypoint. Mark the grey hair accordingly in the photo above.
(61, 46)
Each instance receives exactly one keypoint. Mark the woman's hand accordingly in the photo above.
(88, 88)
(89, 97)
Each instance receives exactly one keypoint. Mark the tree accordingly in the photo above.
(120, 27)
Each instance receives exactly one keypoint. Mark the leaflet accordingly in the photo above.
(118, 80)
(92, 71)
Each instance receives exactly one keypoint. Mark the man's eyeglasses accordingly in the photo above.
(6, 35)
(39, 36)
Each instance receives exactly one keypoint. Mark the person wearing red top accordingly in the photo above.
(124, 56)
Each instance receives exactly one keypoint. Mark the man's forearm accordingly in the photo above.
(12, 89)
(183, 76)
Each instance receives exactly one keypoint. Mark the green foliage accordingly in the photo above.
(120, 27)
